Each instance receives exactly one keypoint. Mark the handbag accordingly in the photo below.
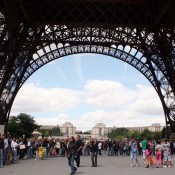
(22, 146)
(147, 152)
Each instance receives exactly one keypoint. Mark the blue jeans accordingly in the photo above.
(110, 151)
(71, 163)
(30, 152)
(86, 151)
(14, 154)
(5, 155)
(1, 157)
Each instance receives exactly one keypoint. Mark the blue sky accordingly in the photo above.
(86, 89)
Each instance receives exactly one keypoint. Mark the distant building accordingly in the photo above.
(67, 129)
(100, 131)
(153, 127)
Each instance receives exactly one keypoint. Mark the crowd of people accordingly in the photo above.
(161, 150)
(153, 152)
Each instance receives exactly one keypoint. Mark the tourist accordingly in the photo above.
(29, 148)
(133, 152)
(86, 148)
(99, 148)
(158, 150)
(93, 152)
(15, 147)
(45, 145)
(38, 144)
(6, 148)
(70, 152)
(79, 146)
(57, 146)
(109, 148)
(167, 154)
(144, 143)
(148, 153)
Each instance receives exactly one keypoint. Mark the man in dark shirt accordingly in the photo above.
(93, 151)
(78, 145)
(1, 151)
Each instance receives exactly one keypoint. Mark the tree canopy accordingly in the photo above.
(20, 125)
(51, 132)
(121, 133)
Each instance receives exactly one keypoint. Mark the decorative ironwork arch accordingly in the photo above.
(129, 55)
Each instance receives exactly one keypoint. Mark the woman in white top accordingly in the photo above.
(14, 146)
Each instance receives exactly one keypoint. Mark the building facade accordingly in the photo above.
(67, 129)
(154, 127)
(100, 131)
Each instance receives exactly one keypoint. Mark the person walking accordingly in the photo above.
(144, 143)
(133, 152)
(78, 146)
(93, 152)
(148, 153)
(167, 154)
(71, 153)
(99, 148)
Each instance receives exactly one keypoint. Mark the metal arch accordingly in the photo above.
(93, 36)
(104, 50)
(128, 57)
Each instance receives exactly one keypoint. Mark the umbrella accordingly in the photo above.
(36, 132)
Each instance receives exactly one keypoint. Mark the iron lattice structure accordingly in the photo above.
(138, 32)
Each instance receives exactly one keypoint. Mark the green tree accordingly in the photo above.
(51, 132)
(118, 133)
(157, 135)
(87, 132)
(146, 134)
(56, 132)
(23, 124)
(46, 133)
(134, 134)
(163, 134)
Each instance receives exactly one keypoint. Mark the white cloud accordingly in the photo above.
(53, 120)
(147, 101)
(109, 102)
(32, 98)
(108, 94)
(121, 118)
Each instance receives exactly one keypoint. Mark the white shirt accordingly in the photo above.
(6, 144)
(99, 145)
(14, 145)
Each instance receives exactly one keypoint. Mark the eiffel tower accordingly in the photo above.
(138, 32)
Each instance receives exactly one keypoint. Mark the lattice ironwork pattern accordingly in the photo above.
(138, 32)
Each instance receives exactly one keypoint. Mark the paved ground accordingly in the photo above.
(106, 166)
